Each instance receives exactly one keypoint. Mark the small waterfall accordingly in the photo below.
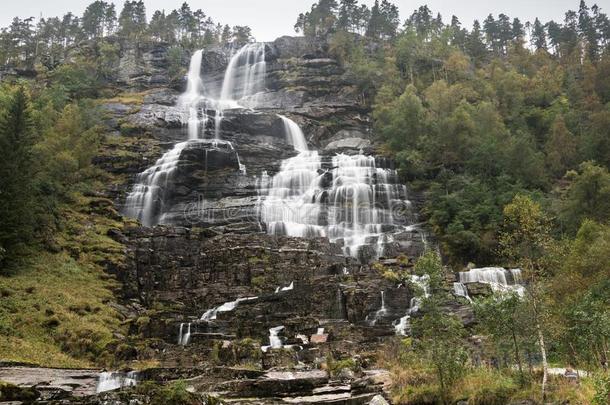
(108, 381)
(184, 336)
(245, 74)
(294, 134)
(290, 287)
(274, 340)
(380, 313)
(499, 279)
(145, 200)
(460, 290)
(243, 80)
(189, 100)
(211, 314)
(403, 325)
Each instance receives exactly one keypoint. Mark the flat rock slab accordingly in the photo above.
(77, 383)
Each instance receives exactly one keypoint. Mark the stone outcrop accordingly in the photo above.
(212, 249)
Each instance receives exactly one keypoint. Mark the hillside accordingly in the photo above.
(346, 217)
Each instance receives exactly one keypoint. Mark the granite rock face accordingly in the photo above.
(211, 297)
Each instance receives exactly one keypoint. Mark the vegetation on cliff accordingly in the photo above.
(505, 126)
(509, 139)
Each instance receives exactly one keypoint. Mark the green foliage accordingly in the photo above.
(56, 313)
(174, 393)
(439, 335)
(335, 366)
(40, 172)
(588, 196)
(602, 390)
(18, 213)
(78, 79)
(508, 321)
(175, 70)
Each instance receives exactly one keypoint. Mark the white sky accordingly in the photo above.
(270, 19)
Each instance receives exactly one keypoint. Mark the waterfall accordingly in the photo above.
(184, 336)
(145, 200)
(380, 313)
(460, 290)
(274, 340)
(403, 325)
(211, 314)
(350, 199)
(499, 279)
(288, 288)
(189, 100)
(243, 80)
(294, 134)
(245, 74)
(108, 381)
(346, 198)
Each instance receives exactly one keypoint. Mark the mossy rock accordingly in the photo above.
(10, 392)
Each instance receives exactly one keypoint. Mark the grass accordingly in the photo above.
(414, 382)
(55, 312)
(126, 98)
(55, 308)
(485, 387)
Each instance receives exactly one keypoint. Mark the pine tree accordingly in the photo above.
(347, 15)
(539, 36)
(17, 196)
(374, 27)
(474, 43)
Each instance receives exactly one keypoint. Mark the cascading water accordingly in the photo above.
(190, 99)
(346, 198)
(499, 279)
(380, 313)
(282, 289)
(243, 78)
(402, 326)
(108, 381)
(146, 198)
(275, 342)
(211, 314)
(184, 335)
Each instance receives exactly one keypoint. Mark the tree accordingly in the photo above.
(439, 335)
(157, 28)
(242, 34)
(539, 35)
(560, 148)
(98, 19)
(587, 197)
(347, 15)
(525, 240)
(375, 26)
(474, 44)
(132, 20)
(17, 178)
(505, 319)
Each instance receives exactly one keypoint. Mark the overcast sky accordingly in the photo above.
(270, 19)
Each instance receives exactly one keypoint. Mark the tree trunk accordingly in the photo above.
(545, 364)
(517, 356)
